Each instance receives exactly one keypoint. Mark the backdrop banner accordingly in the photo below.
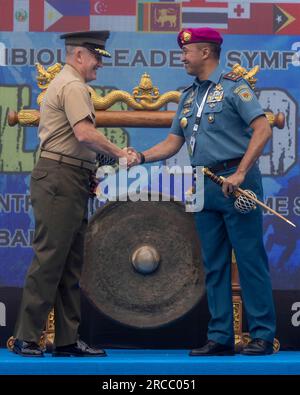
(148, 45)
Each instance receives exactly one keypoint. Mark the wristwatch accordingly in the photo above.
(142, 156)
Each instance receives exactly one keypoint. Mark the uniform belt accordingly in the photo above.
(227, 164)
(68, 160)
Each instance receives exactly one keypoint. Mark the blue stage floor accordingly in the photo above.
(151, 362)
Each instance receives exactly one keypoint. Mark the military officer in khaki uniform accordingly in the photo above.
(59, 192)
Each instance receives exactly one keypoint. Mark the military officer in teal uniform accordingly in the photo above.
(225, 128)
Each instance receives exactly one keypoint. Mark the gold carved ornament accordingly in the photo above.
(44, 78)
(145, 97)
(247, 75)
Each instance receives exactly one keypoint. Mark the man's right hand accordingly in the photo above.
(232, 183)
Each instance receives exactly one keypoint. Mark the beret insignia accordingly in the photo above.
(186, 37)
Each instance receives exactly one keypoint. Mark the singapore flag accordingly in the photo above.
(113, 15)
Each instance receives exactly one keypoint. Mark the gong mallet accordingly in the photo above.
(246, 200)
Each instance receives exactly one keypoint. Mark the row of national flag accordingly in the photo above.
(232, 17)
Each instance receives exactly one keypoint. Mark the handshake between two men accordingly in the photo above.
(132, 157)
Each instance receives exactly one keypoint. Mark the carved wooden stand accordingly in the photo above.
(239, 338)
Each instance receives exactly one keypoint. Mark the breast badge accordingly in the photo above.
(183, 122)
(211, 118)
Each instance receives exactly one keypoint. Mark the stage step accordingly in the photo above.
(151, 362)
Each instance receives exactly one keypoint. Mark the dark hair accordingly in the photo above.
(215, 49)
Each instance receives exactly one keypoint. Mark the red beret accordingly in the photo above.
(199, 35)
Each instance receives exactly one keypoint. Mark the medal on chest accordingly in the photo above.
(216, 95)
(183, 122)
(188, 103)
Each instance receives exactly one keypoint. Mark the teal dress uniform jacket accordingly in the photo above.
(224, 131)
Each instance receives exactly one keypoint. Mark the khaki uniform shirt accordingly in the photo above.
(66, 102)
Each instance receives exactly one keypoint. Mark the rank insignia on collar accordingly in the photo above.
(232, 76)
(218, 87)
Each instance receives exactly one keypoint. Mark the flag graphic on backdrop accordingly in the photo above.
(265, 18)
(286, 19)
(165, 17)
(245, 17)
(238, 10)
(21, 15)
(14, 15)
(44, 15)
(258, 1)
(199, 13)
(262, 16)
(259, 21)
(143, 16)
(159, 16)
(113, 15)
(64, 16)
(280, 17)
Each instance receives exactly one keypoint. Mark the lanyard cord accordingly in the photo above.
(200, 109)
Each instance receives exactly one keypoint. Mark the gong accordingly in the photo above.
(142, 264)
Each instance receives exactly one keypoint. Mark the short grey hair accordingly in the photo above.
(70, 49)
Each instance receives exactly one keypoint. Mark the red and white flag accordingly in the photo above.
(239, 9)
(21, 15)
(44, 15)
(113, 15)
(14, 15)
(6, 16)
